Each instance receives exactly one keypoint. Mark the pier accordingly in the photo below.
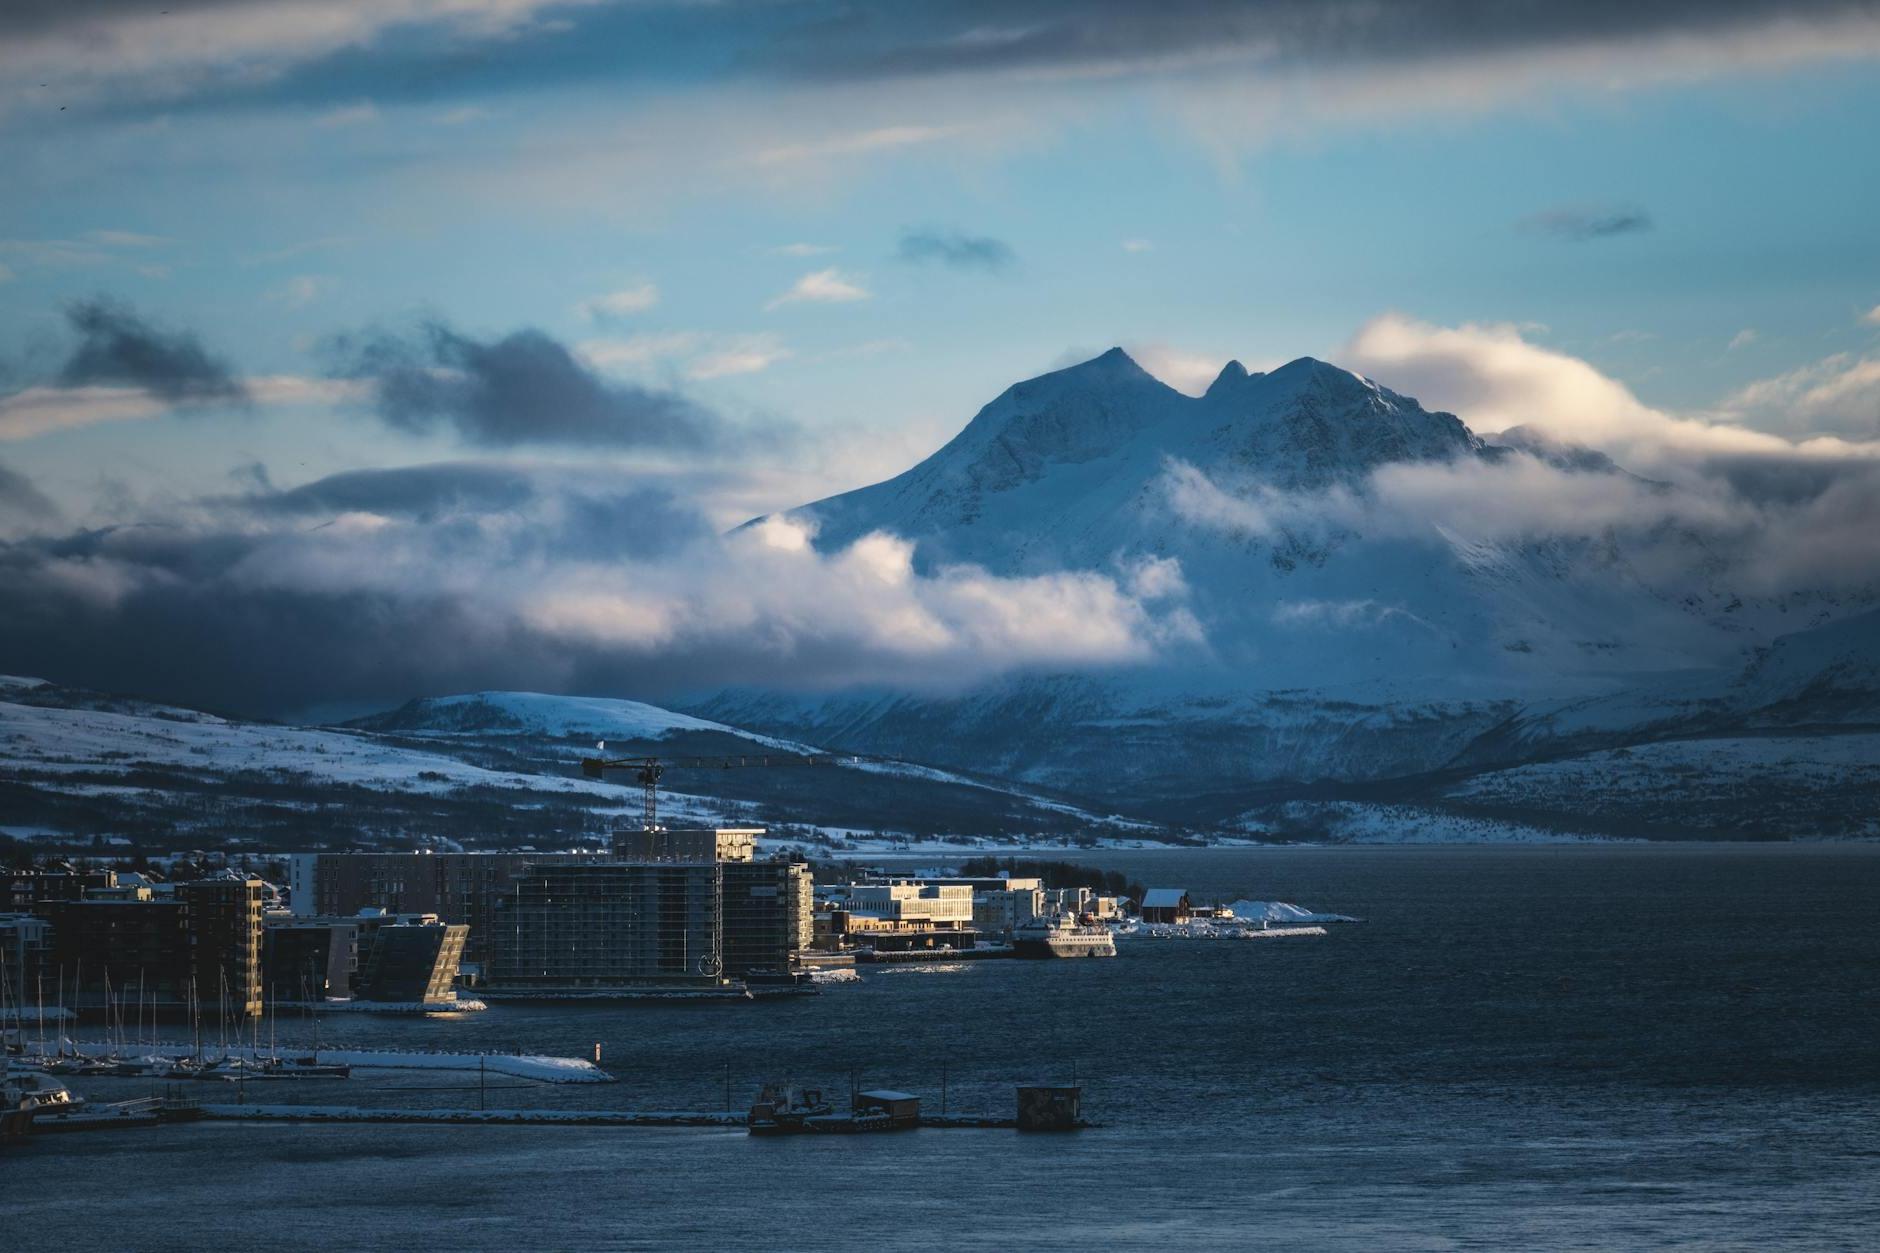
(455, 1117)
(979, 952)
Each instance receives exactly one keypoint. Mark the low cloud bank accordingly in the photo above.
(374, 585)
(1759, 530)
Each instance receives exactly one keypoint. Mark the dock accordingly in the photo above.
(539, 1067)
(979, 952)
(458, 1117)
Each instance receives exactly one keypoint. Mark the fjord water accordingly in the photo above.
(1584, 1046)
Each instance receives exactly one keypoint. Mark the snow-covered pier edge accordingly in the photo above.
(547, 1117)
(542, 1068)
(462, 1006)
(540, 1117)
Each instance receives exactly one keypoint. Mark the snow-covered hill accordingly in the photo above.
(489, 768)
(586, 718)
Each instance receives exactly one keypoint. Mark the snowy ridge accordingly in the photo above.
(535, 713)
(93, 764)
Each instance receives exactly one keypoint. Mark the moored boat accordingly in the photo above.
(1063, 937)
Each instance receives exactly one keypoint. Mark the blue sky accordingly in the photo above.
(1644, 225)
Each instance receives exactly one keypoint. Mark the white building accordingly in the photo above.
(913, 902)
(1000, 911)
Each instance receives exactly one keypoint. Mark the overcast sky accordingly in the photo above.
(744, 254)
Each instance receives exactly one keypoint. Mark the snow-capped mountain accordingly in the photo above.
(1263, 491)
(1349, 636)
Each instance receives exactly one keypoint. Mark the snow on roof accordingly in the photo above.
(1164, 898)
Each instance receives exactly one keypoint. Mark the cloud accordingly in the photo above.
(620, 304)
(98, 247)
(1872, 316)
(955, 249)
(524, 388)
(299, 291)
(1341, 614)
(42, 410)
(34, 411)
(6, 274)
(1838, 394)
(704, 356)
(1742, 339)
(853, 144)
(115, 49)
(1582, 224)
(1111, 38)
(363, 113)
(1494, 378)
(299, 248)
(803, 250)
(1138, 245)
(1757, 524)
(22, 505)
(821, 287)
(116, 346)
(125, 239)
(375, 585)
(422, 492)
(738, 354)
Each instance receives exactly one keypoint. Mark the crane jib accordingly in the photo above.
(648, 770)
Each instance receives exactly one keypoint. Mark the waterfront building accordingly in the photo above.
(1001, 911)
(668, 907)
(767, 916)
(905, 914)
(23, 941)
(457, 887)
(371, 956)
(407, 960)
(197, 943)
(1166, 905)
(610, 926)
(467, 887)
(308, 959)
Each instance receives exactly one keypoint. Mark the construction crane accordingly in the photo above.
(649, 770)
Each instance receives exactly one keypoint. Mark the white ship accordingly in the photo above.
(1063, 937)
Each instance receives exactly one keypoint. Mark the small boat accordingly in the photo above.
(41, 1093)
(783, 1109)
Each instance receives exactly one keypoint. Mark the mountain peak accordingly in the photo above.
(1302, 371)
(1231, 373)
(1112, 365)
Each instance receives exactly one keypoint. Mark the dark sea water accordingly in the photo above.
(1605, 1047)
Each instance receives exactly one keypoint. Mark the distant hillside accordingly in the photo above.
(486, 769)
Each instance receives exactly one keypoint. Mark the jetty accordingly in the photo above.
(539, 1067)
(487, 1117)
(978, 952)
